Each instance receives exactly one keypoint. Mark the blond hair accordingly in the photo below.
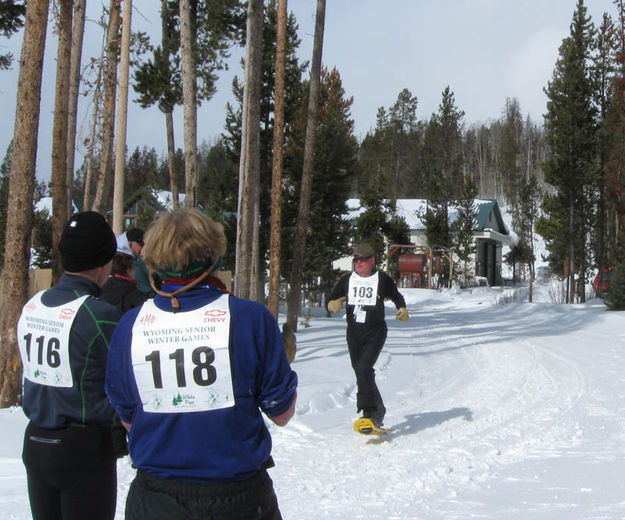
(180, 238)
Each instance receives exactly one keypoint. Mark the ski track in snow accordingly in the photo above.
(499, 411)
(478, 399)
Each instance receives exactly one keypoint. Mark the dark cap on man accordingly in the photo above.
(364, 250)
(87, 242)
(135, 235)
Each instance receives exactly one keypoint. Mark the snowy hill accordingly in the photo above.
(499, 411)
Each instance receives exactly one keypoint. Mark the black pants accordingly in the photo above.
(71, 473)
(364, 349)
(154, 498)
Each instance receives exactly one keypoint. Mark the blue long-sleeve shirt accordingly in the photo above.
(217, 445)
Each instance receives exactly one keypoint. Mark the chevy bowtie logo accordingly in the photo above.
(67, 314)
(215, 316)
(215, 313)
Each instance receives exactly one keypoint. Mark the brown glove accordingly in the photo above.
(402, 314)
(335, 305)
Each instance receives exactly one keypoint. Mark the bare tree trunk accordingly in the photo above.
(92, 135)
(190, 103)
(122, 116)
(78, 31)
(21, 187)
(249, 165)
(103, 180)
(299, 246)
(59, 131)
(169, 117)
(276, 177)
(171, 154)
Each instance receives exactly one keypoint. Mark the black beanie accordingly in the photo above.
(87, 242)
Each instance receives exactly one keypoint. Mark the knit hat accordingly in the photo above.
(364, 249)
(87, 242)
(135, 235)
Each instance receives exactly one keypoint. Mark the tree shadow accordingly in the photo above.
(415, 423)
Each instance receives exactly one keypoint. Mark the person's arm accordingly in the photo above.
(392, 292)
(284, 418)
(338, 295)
(117, 385)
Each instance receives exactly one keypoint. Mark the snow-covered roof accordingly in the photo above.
(412, 209)
(45, 203)
(165, 198)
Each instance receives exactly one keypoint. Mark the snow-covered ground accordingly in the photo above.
(512, 411)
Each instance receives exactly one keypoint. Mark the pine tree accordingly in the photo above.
(465, 224)
(11, 20)
(402, 130)
(615, 297)
(371, 222)
(529, 206)
(510, 163)
(293, 104)
(572, 136)
(375, 159)
(334, 168)
(390, 153)
(613, 145)
(604, 67)
(43, 249)
(158, 80)
(449, 119)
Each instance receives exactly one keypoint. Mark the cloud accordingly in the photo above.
(530, 69)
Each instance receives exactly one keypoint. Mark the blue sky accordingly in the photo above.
(485, 50)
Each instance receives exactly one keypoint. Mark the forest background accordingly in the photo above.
(562, 175)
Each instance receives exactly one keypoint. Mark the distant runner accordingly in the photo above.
(365, 291)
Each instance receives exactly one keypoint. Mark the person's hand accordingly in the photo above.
(335, 305)
(402, 314)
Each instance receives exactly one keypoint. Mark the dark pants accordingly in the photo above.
(364, 348)
(154, 498)
(71, 473)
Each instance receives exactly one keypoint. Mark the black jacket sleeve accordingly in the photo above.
(390, 291)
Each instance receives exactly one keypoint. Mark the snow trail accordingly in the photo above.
(472, 390)
(510, 411)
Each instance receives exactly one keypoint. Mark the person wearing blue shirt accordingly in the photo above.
(191, 374)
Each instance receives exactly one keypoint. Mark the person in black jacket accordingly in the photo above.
(121, 289)
(365, 290)
(63, 335)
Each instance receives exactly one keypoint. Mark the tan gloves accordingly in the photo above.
(335, 305)
(402, 314)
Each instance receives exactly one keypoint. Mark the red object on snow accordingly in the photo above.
(601, 283)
